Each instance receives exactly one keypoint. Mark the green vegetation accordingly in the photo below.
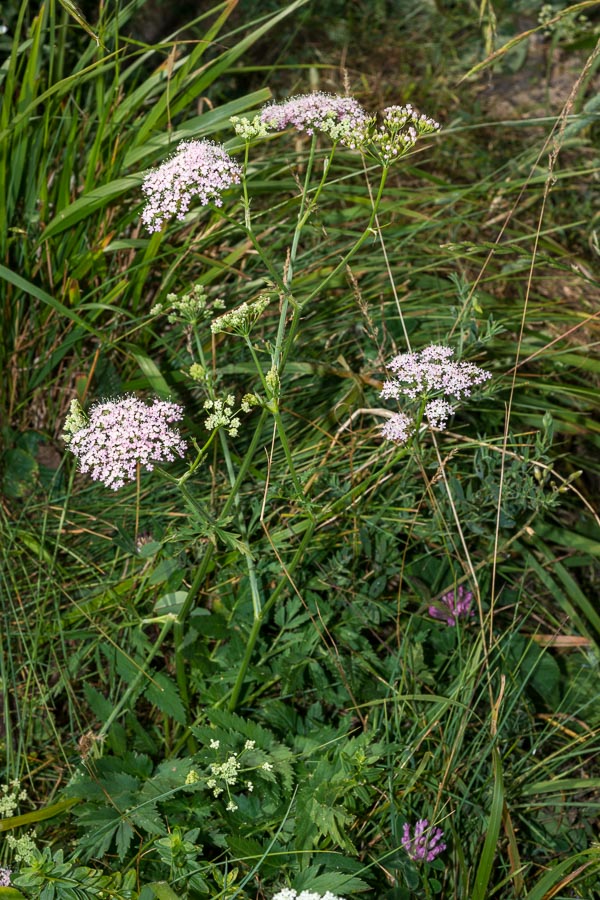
(248, 669)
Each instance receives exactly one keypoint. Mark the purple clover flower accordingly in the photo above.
(200, 169)
(426, 843)
(5, 877)
(342, 118)
(120, 434)
(457, 607)
(432, 370)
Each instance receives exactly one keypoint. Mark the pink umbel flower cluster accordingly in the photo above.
(5, 876)
(398, 428)
(199, 169)
(121, 434)
(432, 370)
(429, 375)
(342, 118)
(458, 606)
(426, 842)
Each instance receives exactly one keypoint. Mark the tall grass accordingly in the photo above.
(135, 655)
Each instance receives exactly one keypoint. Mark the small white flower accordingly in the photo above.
(398, 428)
(438, 412)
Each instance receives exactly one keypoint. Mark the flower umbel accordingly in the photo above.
(342, 118)
(426, 842)
(200, 169)
(398, 428)
(120, 434)
(190, 308)
(5, 876)
(430, 377)
(458, 606)
(400, 130)
(432, 371)
(241, 320)
(222, 415)
(24, 848)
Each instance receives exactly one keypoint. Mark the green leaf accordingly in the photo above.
(550, 879)
(162, 891)
(9, 893)
(488, 854)
(163, 571)
(163, 693)
(38, 815)
(170, 604)
(76, 14)
(20, 472)
(98, 703)
(84, 206)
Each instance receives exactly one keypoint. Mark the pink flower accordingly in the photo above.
(456, 607)
(342, 118)
(122, 434)
(431, 371)
(426, 843)
(398, 428)
(198, 169)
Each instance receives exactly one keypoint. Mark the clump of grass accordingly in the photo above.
(267, 665)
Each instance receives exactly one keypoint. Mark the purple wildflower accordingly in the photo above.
(432, 370)
(198, 169)
(427, 842)
(5, 877)
(457, 607)
(398, 428)
(342, 118)
(120, 434)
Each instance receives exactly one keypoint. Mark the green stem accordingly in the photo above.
(368, 230)
(257, 624)
(133, 686)
(254, 587)
(287, 452)
(200, 575)
(303, 215)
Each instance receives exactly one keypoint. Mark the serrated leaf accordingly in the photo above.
(123, 838)
(164, 694)
(98, 703)
(148, 820)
